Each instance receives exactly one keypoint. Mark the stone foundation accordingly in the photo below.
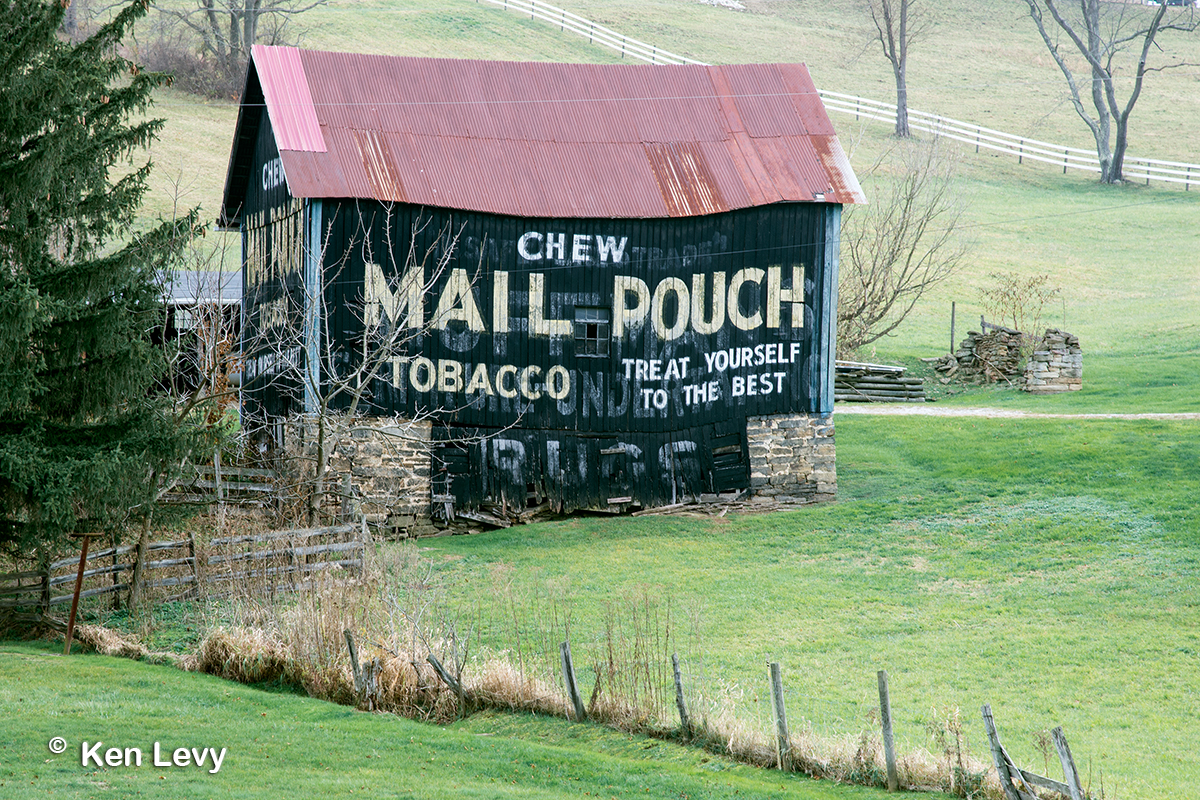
(386, 459)
(1056, 364)
(792, 458)
(387, 463)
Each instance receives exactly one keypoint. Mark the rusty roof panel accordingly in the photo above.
(289, 100)
(381, 169)
(760, 95)
(546, 140)
(686, 183)
(846, 188)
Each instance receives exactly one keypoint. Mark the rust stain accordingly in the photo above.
(686, 182)
(381, 170)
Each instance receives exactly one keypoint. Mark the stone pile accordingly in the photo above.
(986, 357)
(1056, 364)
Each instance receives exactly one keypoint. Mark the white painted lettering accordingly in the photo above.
(558, 382)
(501, 389)
(682, 308)
(741, 277)
(479, 380)
(500, 302)
(610, 250)
(715, 319)
(527, 388)
(457, 303)
(558, 246)
(580, 245)
(523, 246)
(421, 364)
(539, 324)
(449, 377)
(777, 296)
(625, 315)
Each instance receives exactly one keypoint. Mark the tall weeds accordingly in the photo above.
(399, 614)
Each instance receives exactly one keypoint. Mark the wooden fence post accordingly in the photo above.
(782, 740)
(889, 742)
(139, 568)
(989, 724)
(1070, 773)
(953, 309)
(87, 538)
(685, 722)
(569, 678)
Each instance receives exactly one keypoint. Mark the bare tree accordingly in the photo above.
(227, 29)
(1100, 32)
(902, 244)
(895, 30)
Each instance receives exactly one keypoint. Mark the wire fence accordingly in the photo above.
(1024, 148)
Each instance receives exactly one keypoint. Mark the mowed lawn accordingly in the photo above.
(1048, 567)
(281, 745)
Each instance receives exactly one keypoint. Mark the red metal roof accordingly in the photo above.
(550, 140)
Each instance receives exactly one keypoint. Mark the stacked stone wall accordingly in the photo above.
(792, 458)
(1056, 364)
(387, 461)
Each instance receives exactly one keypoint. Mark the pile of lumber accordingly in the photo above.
(855, 382)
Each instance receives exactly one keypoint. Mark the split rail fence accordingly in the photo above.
(278, 561)
(1022, 147)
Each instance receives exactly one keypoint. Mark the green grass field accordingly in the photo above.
(281, 745)
(1047, 567)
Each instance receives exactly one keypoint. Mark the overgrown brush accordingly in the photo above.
(398, 616)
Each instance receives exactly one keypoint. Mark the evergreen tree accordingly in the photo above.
(81, 436)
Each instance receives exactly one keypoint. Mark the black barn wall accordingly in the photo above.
(580, 429)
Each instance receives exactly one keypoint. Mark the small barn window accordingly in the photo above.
(591, 332)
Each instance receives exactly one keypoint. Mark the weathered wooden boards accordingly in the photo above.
(856, 382)
(267, 556)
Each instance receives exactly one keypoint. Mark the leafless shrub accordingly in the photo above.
(900, 245)
(1019, 302)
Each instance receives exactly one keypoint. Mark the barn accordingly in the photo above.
(584, 286)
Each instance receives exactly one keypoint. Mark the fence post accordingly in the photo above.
(685, 722)
(1066, 155)
(989, 724)
(87, 538)
(782, 740)
(889, 741)
(1070, 773)
(569, 678)
(952, 310)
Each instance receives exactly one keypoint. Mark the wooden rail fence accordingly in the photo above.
(262, 562)
(1023, 147)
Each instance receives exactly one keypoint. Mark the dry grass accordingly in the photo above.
(394, 612)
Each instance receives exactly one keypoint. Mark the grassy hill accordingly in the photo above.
(281, 745)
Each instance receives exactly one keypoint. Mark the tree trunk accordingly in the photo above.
(902, 131)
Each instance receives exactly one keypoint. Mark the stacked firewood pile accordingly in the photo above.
(855, 382)
(984, 357)
(1056, 364)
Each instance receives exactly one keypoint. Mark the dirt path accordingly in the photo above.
(929, 410)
